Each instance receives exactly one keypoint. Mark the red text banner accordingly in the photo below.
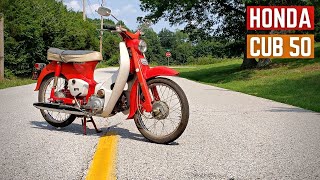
(280, 17)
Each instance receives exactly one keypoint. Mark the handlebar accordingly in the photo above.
(123, 31)
(110, 27)
(114, 28)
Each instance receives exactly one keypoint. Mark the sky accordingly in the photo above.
(125, 10)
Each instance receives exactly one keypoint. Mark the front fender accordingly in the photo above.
(159, 71)
(148, 74)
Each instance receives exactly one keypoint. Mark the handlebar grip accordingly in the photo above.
(110, 27)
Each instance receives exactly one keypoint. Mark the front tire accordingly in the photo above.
(171, 99)
(55, 119)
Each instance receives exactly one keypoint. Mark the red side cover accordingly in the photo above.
(84, 71)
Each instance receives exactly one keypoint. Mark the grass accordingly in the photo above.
(6, 83)
(290, 81)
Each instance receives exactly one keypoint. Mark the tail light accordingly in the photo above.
(39, 66)
(37, 70)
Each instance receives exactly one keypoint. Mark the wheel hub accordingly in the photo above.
(160, 110)
(60, 94)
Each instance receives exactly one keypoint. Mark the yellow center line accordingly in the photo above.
(103, 163)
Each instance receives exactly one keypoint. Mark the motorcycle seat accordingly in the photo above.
(66, 56)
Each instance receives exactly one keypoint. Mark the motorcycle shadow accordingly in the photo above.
(77, 130)
(72, 128)
(126, 134)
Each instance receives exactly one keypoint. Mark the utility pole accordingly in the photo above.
(84, 9)
(1, 47)
(101, 32)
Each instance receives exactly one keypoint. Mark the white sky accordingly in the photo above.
(125, 10)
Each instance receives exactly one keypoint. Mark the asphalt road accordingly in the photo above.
(229, 135)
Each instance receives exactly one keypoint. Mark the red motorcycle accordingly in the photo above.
(67, 89)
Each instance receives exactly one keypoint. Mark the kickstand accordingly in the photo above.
(84, 125)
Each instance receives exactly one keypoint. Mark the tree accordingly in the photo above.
(155, 52)
(223, 18)
(167, 38)
(35, 25)
(182, 52)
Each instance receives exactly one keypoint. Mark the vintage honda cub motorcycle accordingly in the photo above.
(67, 89)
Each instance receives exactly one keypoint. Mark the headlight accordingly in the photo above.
(142, 46)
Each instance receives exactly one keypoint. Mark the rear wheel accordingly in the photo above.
(55, 119)
(170, 114)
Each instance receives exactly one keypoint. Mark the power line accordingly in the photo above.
(101, 27)
(92, 12)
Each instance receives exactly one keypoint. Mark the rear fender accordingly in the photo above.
(148, 74)
(50, 68)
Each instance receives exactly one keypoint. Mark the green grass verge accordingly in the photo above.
(290, 81)
(15, 82)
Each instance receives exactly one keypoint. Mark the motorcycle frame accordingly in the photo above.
(141, 71)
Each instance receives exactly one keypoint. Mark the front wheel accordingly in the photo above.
(170, 112)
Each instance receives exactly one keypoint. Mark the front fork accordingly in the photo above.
(142, 81)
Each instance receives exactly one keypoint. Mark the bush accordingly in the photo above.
(114, 60)
(8, 74)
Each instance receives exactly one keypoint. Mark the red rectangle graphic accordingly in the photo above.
(280, 17)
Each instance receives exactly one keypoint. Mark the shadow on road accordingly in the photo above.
(77, 129)
(126, 134)
(285, 109)
(72, 128)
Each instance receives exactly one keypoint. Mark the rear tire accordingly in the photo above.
(66, 119)
(183, 117)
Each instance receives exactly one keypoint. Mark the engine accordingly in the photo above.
(78, 87)
(95, 104)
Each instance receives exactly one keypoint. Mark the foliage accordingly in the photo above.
(155, 52)
(32, 26)
(206, 20)
(184, 50)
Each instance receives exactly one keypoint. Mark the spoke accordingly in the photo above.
(176, 110)
(169, 96)
(175, 105)
(162, 127)
(174, 123)
(163, 91)
(152, 125)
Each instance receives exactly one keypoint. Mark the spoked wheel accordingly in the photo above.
(55, 119)
(170, 112)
